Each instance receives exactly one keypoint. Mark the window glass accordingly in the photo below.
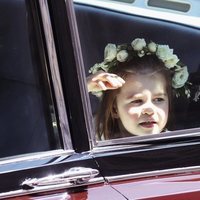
(173, 5)
(166, 102)
(28, 118)
(124, 1)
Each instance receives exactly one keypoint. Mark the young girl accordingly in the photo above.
(135, 82)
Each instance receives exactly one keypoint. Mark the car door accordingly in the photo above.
(54, 153)
(167, 22)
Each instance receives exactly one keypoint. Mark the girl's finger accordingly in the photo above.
(116, 77)
(103, 76)
(101, 85)
(100, 76)
(114, 82)
(120, 79)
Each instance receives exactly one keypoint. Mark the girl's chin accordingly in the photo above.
(146, 131)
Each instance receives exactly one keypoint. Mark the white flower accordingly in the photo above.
(197, 95)
(122, 56)
(166, 55)
(138, 44)
(104, 67)
(97, 67)
(187, 93)
(180, 77)
(172, 61)
(164, 52)
(110, 52)
(152, 47)
(141, 53)
(94, 69)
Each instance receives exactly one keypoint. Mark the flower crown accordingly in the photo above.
(138, 48)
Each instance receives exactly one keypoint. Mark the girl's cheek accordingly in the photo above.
(163, 113)
(134, 111)
(134, 114)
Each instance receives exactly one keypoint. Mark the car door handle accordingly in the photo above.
(75, 176)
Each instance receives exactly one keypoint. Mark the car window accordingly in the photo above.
(29, 116)
(101, 23)
(178, 6)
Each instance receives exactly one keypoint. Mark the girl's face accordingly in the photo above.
(143, 104)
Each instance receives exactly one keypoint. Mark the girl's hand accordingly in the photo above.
(104, 81)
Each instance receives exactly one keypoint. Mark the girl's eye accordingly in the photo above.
(159, 99)
(137, 101)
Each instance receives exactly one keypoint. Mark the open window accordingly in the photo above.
(103, 22)
(28, 114)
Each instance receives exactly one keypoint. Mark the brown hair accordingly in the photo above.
(107, 125)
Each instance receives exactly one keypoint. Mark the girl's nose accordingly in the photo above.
(148, 111)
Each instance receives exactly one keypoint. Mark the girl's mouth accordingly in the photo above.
(148, 124)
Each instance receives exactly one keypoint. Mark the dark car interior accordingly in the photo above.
(25, 118)
(99, 26)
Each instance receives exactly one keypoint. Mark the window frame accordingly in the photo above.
(55, 75)
(141, 11)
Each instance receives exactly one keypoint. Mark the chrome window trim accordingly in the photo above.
(141, 141)
(144, 12)
(132, 147)
(53, 62)
(81, 73)
(34, 156)
(157, 137)
(173, 171)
